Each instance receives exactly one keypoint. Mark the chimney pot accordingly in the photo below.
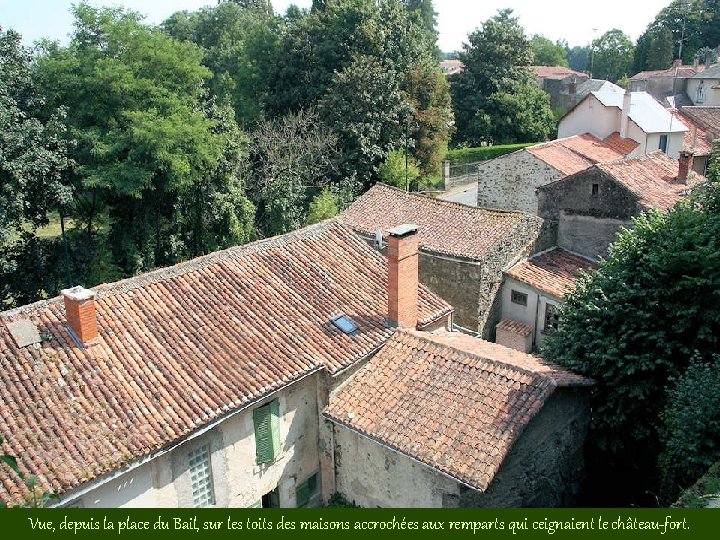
(685, 165)
(80, 313)
(403, 276)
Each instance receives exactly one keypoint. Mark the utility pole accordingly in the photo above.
(592, 52)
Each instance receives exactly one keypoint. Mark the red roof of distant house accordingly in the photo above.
(451, 401)
(577, 153)
(681, 71)
(553, 272)
(697, 139)
(555, 72)
(184, 346)
(443, 227)
(707, 117)
(652, 178)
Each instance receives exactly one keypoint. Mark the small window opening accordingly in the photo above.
(516, 297)
(595, 189)
(663, 143)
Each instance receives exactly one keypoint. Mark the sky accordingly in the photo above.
(576, 21)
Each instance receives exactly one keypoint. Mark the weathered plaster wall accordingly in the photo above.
(238, 481)
(533, 314)
(374, 476)
(509, 182)
(545, 467)
(590, 116)
(712, 95)
(588, 235)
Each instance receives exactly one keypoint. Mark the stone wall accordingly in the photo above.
(588, 235)
(509, 182)
(545, 467)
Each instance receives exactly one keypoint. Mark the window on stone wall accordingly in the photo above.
(551, 318)
(663, 143)
(595, 189)
(201, 481)
(307, 490)
(516, 297)
(267, 431)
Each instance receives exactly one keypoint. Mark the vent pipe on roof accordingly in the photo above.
(403, 276)
(80, 313)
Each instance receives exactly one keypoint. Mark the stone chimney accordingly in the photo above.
(80, 313)
(403, 276)
(686, 164)
(627, 101)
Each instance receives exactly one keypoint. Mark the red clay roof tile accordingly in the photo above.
(553, 272)
(182, 346)
(473, 397)
(443, 227)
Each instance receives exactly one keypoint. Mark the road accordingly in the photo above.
(462, 194)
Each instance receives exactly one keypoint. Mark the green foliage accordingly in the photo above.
(547, 53)
(240, 45)
(613, 55)
(635, 324)
(325, 206)
(394, 173)
(691, 425)
(707, 488)
(463, 155)
(36, 498)
(694, 22)
(496, 99)
(338, 500)
(654, 50)
(579, 58)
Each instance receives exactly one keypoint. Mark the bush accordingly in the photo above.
(324, 206)
(392, 170)
(461, 156)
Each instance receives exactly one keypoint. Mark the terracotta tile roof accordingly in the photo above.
(553, 272)
(652, 178)
(450, 401)
(697, 139)
(555, 72)
(706, 117)
(682, 71)
(515, 327)
(443, 227)
(577, 153)
(183, 346)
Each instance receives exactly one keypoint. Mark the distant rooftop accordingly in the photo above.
(555, 72)
(553, 272)
(645, 111)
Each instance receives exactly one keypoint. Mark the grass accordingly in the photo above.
(53, 229)
(704, 490)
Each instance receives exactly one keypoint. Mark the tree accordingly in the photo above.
(325, 206)
(425, 11)
(34, 170)
(654, 50)
(290, 159)
(145, 135)
(240, 46)
(547, 53)
(393, 170)
(496, 68)
(578, 58)
(263, 7)
(636, 325)
(613, 55)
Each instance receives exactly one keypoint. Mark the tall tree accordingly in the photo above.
(579, 58)
(654, 50)
(240, 46)
(136, 106)
(263, 7)
(34, 170)
(547, 53)
(613, 55)
(425, 11)
(496, 73)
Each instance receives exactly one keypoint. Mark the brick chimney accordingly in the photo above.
(80, 313)
(403, 276)
(686, 164)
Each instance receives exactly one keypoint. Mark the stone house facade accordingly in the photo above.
(586, 209)
(567, 87)
(510, 182)
(463, 250)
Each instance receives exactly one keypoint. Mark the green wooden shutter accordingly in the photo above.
(267, 433)
(302, 494)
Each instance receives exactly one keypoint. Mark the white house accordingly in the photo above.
(704, 88)
(635, 115)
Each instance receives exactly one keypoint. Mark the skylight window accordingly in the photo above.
(345, 323)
